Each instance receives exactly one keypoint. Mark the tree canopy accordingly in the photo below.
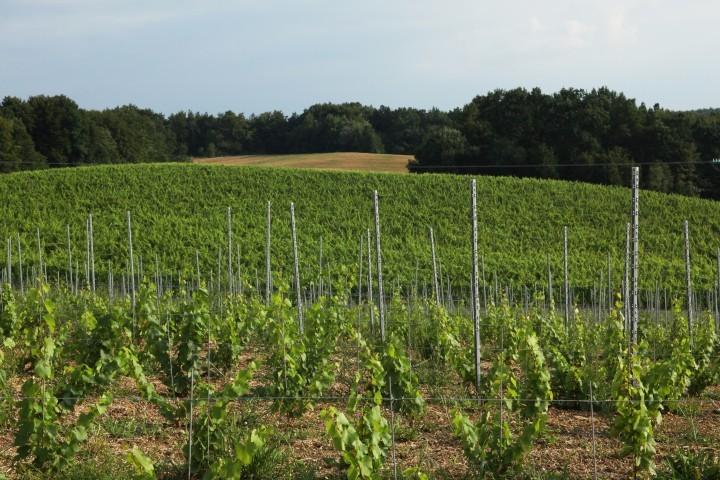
(593, 136)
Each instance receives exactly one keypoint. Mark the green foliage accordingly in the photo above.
(494, 444)
(641, 390)
(362, 442)
(522, 223)
(218, 449)
(401, 383)
(5, 395)
(705, 350)
(144, 468)
(192, 325)
(302, 361)
(537, 134)
(9, 324)
(40, 435)
(704, 465)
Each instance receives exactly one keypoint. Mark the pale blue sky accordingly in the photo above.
(254, 56)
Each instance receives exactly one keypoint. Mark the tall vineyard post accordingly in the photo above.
(550, 283)
(197, 268)
(626, 282)
(20, 260)
(474, 281)
(566, 280)
(717, 292)
(436, 283)
(378, 257)
(370, 298)
(70, 264)
(609, 286)
(92, 251)
(9, 261)
(360, 274)
(131, 263)
(635, 252)
(296, 269)
(229, 259)
(268, 271)
(688, 280)
(320, 266)
(87, 252)
(40, 255)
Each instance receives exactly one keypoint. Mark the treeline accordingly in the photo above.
(52, 131)
(573, 134)
(577, 135)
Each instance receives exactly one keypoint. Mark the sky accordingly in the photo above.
(255, 56)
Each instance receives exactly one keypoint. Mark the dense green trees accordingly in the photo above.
(16, 147)
(572, 134)
(590, 136)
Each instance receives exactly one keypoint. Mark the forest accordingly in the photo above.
(591, 136)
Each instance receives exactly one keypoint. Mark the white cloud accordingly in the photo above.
(578, 34)
(619, 31)
(289, 53)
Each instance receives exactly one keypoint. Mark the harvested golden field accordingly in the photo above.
(364, 162)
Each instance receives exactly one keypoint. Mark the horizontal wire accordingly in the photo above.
(138, 398)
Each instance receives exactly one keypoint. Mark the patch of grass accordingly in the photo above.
(130, 428)
(359, 161)
(104, 466)
(690, 465)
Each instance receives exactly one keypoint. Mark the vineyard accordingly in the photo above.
(178, 209)
(208, 322)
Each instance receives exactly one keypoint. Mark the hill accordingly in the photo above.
(356, 161)
(178, 208)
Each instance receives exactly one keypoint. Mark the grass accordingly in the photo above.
(355, 161)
